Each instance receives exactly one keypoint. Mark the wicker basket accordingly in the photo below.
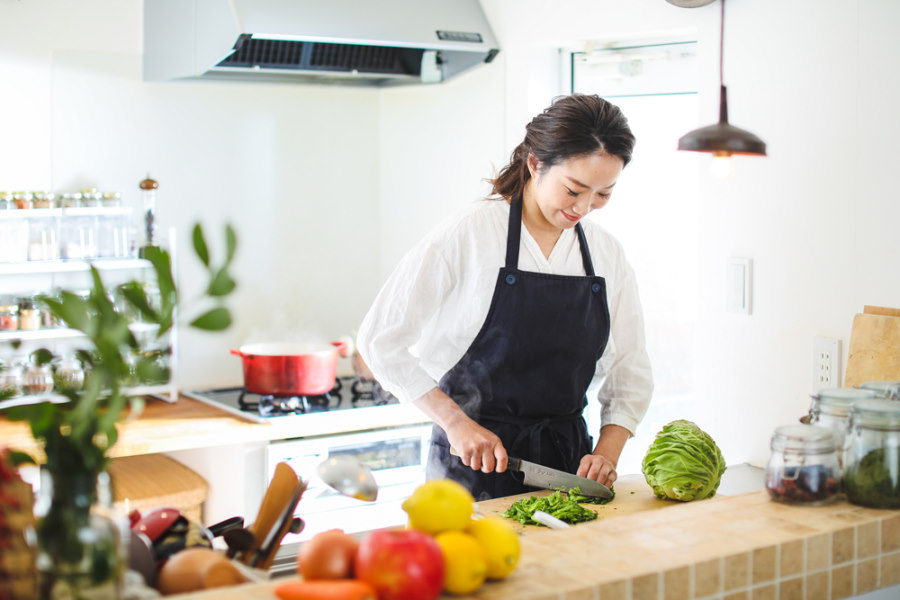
(154, 480)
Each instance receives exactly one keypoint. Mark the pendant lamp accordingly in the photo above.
(722, 139)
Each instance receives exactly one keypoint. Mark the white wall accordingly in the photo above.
(294, 168)
(328, 186)
(818, 216)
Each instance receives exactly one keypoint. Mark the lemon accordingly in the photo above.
(465, 563)
(500, 542)
(439, 505)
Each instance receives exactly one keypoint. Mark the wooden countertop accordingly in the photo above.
(742, 547)
(189, 423)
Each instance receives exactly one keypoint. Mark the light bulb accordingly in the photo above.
(720, 166)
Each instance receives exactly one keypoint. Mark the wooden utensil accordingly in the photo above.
(282, 487)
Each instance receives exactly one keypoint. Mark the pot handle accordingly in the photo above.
(344, 346)
(237, 353)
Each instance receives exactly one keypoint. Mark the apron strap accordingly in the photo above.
(515, 233)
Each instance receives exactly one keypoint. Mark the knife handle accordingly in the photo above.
(512, 463)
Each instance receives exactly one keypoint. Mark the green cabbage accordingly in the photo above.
(683, 463)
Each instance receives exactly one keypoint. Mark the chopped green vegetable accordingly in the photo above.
(564, 506)
(683, 463)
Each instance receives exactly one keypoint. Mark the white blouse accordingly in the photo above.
(434, 303)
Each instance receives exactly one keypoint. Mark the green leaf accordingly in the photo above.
(42, 356)
(216, 319)
(230, 244)
(71, 309)
(136, 296)
(200, 247)
(18, 458)
(221, 285)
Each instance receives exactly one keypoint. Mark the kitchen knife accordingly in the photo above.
(553, 479)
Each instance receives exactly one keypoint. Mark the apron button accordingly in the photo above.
(510, 279)
(595, 288)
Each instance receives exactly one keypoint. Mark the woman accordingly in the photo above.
(496, 323)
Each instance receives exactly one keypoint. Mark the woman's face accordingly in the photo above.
(568, 191)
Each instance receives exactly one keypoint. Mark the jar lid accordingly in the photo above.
(148, 184)
(46, 195)
(21, 194)
(883, 389)
(806, 438)
(877, 412)
(837, 401)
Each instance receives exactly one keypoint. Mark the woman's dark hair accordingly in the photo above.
(571, 126)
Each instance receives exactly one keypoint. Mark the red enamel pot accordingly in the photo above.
(290, 369)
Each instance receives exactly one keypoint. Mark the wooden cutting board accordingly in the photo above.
(874, 353)
(632, 495)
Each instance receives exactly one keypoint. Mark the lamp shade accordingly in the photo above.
(722, 138)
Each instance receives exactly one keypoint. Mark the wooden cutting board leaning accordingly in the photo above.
(874, 353)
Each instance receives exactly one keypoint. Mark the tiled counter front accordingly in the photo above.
(737, 548)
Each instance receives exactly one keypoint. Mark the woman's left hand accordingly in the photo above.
(599, 468)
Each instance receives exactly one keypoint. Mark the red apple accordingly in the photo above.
(401, 564)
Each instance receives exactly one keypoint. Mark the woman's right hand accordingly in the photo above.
(478, 447)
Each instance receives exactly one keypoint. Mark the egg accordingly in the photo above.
(327, 555)
(197, 569)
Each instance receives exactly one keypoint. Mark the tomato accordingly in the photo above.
(402, 564)
(327, 555)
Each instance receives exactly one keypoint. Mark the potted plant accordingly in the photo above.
(78, 552)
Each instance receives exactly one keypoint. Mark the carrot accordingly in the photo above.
(326, 589)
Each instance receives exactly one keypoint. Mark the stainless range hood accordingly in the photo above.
(355, 42)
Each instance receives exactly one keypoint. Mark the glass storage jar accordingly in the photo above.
(78, 237)
(69, 374)
(803, 467)
(6, 201)
(44, 200)
(13, 240)
(872, 459)
(37, 379)
(884, 389)
(70, 199)
(9, 314)
(43, 243)
(11, 379)
(831, 408)
(114, 236)
(30, 317)
(111, 199)
(91, 198)
(23, 199)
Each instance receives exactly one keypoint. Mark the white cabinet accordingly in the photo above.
(59, 251)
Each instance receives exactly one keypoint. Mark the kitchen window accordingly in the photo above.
(654, 213)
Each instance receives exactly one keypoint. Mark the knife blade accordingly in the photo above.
(553, 479)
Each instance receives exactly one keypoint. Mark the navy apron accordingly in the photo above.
(526, 373)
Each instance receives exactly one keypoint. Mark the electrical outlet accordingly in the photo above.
(826, 363)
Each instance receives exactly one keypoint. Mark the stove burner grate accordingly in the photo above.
(269, 405)
(365, 392)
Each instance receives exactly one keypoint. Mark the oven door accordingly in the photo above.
(396, 456)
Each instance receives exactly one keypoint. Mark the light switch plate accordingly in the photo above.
(739, 285)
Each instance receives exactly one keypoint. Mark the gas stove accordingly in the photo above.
(349, 392)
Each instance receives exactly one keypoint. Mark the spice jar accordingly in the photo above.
(6, 201)
(23, 199)
(803, 467)
(111, 199)
(889, 390)
(37, 379)
(44, 200)
(9, 315)
(831, 408)
(70, 199)
(872, 461)
(90, 198)
(29, 315)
